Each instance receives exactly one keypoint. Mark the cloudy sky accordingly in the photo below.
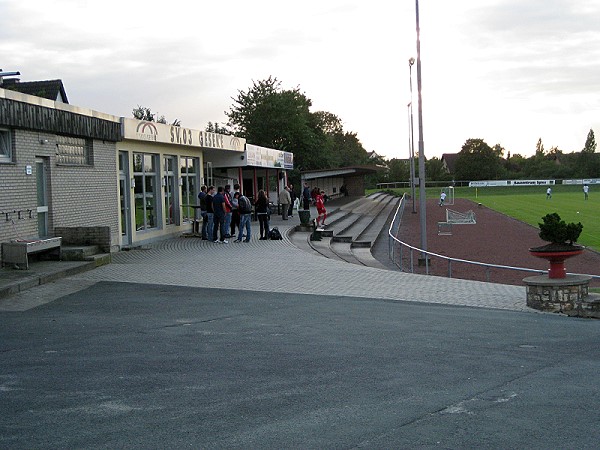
(506, 71)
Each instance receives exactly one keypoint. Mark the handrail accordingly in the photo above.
(400, 211)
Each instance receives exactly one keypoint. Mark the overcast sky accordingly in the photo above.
(506, 71)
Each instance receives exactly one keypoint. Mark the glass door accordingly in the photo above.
(124, 198)
(42, 196)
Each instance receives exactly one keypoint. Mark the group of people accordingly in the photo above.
(222, 212)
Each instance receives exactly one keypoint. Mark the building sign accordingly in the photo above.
(140, 130)
(269, 157)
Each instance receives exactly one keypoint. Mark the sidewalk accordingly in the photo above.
(273, 266)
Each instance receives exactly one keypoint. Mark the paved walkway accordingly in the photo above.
(272, 266)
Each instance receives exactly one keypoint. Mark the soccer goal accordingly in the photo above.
(449, 190)
(460, 218)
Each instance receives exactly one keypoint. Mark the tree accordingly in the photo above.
(590, 143)
(434, 167)
(215, 128)
(146, 114)
(478, 161)
(270, 116)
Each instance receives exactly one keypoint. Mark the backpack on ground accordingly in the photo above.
(274, 234)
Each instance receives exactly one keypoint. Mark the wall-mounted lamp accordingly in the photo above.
(44, 141)
(242, 157)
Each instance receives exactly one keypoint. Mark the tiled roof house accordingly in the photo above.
(49, 89)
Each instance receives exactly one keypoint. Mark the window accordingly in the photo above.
(6, 152)
(73, 151)
(146, 190)
(189, 187)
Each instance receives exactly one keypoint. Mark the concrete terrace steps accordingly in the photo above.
(365, 218)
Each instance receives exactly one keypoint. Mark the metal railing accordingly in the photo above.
(399, 251)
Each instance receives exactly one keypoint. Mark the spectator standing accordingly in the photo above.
(306, 197)
(293, 198)
(228, 208)
(245, 210)
(220, 210)
(235, 213)
(210, 213)
(586, 191)
(203, 213)
(285, 200)
(262, 213)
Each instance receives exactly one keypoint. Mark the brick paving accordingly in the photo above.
(273, 266)
(280, 266)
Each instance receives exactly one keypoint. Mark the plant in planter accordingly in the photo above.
(562, 237)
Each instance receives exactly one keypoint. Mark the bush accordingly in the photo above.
(557, 231)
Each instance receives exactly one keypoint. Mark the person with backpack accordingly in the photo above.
(245, 212)
(262, 213)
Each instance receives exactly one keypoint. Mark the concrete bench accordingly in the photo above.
(17, 251)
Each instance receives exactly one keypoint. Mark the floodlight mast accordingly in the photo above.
(422, 202)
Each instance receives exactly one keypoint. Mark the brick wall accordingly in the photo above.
(99, 236)
(77, 195)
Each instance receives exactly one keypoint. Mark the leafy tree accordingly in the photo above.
(215, 128)
(590, 143)
(478, 161)
(146, 114)
(539, 148)
(434, 167)
(270, 116)
(398, 170)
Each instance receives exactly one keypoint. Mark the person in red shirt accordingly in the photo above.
(322, 212)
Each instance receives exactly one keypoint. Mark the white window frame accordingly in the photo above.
(6, 146)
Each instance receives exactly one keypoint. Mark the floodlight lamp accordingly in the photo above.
(411, 61)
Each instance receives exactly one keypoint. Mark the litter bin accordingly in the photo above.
(304, 215)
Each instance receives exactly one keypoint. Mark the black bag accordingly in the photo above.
(244, 205)
(274, 234)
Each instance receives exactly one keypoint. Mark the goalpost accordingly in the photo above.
(449, 190)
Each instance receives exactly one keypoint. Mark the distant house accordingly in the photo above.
(449, 162)
(49, 89)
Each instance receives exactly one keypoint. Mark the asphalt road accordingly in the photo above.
(123, 365)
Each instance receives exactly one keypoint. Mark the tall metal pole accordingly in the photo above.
(422, 194)
(411, 61)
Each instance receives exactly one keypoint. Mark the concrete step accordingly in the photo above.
(100, 259)
(78, 253)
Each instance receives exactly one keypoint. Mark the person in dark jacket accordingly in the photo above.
(262, 213)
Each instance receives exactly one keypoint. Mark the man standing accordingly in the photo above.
(293, 198)
(235, 213)
(245, 210)
(548, 193)
(220, 208)
(284, 200)
(586, 191)
(306, 197)
(228, 209)
(210, 213)
(203, 214)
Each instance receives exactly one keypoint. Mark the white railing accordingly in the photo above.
(397, 249)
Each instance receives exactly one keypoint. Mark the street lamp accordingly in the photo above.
(411, 61)
(422, 202)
